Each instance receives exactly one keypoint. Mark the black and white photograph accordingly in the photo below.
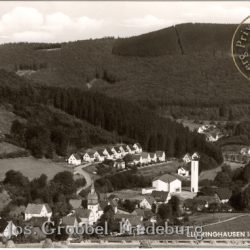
(124, 124)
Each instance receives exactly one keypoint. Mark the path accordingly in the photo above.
(85, 174)
(219, 222)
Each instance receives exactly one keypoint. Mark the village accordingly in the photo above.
(144, 204)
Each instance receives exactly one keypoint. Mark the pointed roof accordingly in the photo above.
(138, 145)
(136, 157)
(160, 196)
(92, 196)
(159, 153)
(69, 220)
(77, 156)
(144, 155)
(36, 208)
(224, 193)
(166, 178)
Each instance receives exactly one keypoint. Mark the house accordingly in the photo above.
(36, 225)
(245, 151)
(130, 224)
(161, 196)
(153, 157)
(147, 202)
(38, 210)
(123, 150)
(131, 149)
(75, 203)
(74, 159)
(223, 194)
(119, 164)
(116, 152)
(161, 156)
(187, 158)
(7, 229)
(167, 183)
(137, 159)
(88, 157)
(85, 216)
(70, 221)
(99, 156)
(195, 156)
(147, 214)
(184, 171)
(137, 147)
(145, 158)
(109, 154)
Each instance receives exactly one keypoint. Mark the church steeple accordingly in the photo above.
(92, 196)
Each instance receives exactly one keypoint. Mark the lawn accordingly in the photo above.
(160, 169)
(6, 148)
(32, 167)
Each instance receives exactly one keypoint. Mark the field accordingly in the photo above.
(210, 174)
(6, 148)
(32, 167)
(160, 169)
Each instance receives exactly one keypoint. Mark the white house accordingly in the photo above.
(74, 159)
(195, 156)
(153, 157)
(147, 202)
(145, 158)
(183, 171)
(161, 156)
(109, 154)
(123, 150)
(119, 164)
(88, 157)
(167, 183)
(7, 229)
(137, 159)
(187, 158)
(38, 210)
(138, 148)
(99, 156)
(117, 152)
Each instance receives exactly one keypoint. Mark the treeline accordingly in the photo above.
(56, 192)
(30, 66)
(49, 132)
(117, 116)
(128, 179)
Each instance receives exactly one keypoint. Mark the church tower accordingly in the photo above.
(195, 173)
(93, 203)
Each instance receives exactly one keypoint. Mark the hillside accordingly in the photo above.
(178, 71)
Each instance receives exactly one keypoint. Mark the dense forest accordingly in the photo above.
(179, 71)
(126, 119)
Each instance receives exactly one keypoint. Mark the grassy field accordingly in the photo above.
(32, 167)
(210, 174)
(240, 224)
(6, 148)
(157, 170)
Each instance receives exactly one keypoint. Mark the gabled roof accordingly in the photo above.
(109, 151)
(36, 208)
(144, 155)
(77, 156)
(138, 145)
(136, 157)
(117, 149)
(166, 178)
(224, 193)
(36, 222)
(150, 199)
(75, 203)
(69, 220)
(100, 152)
(160, 196)
(145, 213)
(135, 220)
(159, 153)
(130, 146)
(83, 213)
(152, 155)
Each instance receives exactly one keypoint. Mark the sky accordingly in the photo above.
(68, 21)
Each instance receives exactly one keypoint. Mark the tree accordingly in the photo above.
(165, 212)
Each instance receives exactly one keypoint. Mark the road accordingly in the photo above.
(85, 174)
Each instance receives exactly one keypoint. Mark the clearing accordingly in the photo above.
(32, 168)
(6, 148)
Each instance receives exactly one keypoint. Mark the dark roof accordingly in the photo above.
(117, 149)
(144, 154)
(135, 220)
(160, 196)
(159, 153)
(206, 199)
(136, 157)
(145, 213)
(36, 208)
(130, 146)
(224, 193)
(100, 152)
(138, 145)
(152, 155)
(69, 220)
(109, 151)
(83, 213)
(75, 203)
(36, 221)
(150, 199)
(3, 225)
(166, 178)
(77, 156)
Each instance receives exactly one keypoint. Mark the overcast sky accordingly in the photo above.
(67, 21)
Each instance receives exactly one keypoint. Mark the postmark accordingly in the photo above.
(240, 47)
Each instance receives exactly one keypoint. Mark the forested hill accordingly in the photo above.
(122, 118)
(181, 70)
(183, 39)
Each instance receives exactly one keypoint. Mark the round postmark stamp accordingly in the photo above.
(240, 47)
